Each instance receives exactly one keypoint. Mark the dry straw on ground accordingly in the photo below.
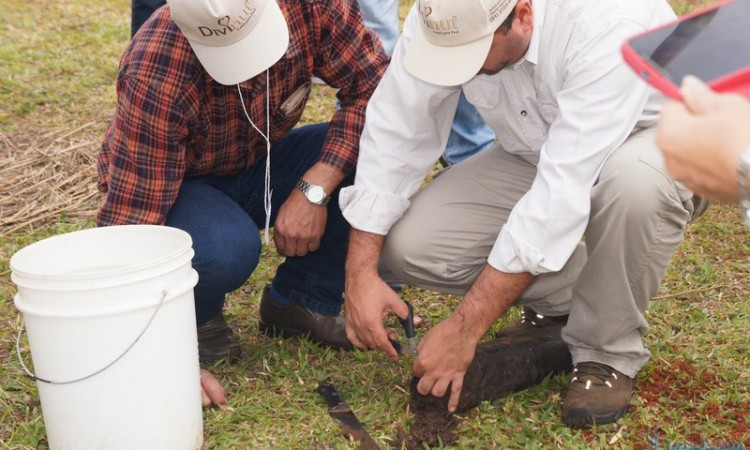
(47, 175)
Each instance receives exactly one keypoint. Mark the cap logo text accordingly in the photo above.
(228, 25)
(443, 26)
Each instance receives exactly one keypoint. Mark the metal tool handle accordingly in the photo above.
(408, 323)
(330, 394)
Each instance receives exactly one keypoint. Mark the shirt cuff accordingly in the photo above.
(371, 211)
(513, 255)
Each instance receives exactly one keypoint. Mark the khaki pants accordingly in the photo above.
(638, 216)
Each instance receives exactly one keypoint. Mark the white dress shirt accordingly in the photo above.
(564, 107)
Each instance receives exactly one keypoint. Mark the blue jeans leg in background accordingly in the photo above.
(224, 216)
(381, 16)
(469, 135)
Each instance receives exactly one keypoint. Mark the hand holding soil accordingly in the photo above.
(499, 367)
(445, 354)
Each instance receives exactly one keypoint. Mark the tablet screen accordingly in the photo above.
(708, 46)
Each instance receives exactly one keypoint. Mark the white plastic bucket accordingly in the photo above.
(110, 318)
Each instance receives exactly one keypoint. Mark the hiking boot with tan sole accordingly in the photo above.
(530, 319)
(598, 394)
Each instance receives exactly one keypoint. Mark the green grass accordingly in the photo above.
(59, 59)
(58, 74)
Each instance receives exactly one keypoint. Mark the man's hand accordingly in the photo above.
(211, 391)
(299, 226)
(702, 139)
(445, 354)
(367, 298)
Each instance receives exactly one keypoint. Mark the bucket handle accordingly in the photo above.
(43, 380)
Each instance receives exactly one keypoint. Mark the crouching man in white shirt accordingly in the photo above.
(571, 214)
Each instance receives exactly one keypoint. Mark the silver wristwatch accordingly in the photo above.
(743, 171)
(315, 194)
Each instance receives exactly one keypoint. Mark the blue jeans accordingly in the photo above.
(224, 216)
(381, 16)
(469, 134)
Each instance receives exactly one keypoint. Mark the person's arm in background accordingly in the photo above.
(703, 139)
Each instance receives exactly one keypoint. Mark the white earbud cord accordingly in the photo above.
(267, 136)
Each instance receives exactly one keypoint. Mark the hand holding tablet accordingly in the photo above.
(712, 44)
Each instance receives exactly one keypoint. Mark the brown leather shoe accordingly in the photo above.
(296, 320)
(597, 394)
(216, 341)
(531, 319)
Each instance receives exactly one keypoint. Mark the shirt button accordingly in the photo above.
(524, 113)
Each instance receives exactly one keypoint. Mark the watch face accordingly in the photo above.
(316, 194)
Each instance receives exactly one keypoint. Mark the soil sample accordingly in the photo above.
(501, 366)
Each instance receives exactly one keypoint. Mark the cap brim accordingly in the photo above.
(258, 51)
(445, 66)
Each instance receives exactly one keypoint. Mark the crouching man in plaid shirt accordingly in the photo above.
(203, 139)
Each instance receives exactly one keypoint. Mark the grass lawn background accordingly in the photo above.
(59, 63)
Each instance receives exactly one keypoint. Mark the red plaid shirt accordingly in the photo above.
(174, 121)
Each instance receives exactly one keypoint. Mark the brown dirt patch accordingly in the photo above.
(680, 385)
(433, 424)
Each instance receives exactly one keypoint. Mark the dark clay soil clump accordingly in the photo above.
(500, 366)
(433, 423)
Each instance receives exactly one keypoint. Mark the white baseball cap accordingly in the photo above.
(454, 38)
(233, 39)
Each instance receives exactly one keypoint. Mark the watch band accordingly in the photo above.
(743, 171)
(321, 199)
